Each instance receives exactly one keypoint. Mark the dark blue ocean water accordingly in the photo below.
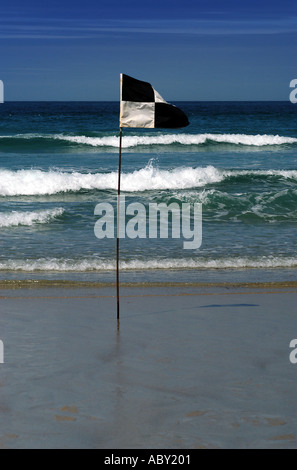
(59, 160)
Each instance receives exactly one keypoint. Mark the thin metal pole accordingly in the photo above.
(118, 226)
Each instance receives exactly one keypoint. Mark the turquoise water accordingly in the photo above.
(59, 160)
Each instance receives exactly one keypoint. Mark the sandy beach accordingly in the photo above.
(191, 366)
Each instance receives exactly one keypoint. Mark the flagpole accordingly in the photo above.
(118, 226)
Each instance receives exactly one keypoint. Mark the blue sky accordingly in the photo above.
(188, 50)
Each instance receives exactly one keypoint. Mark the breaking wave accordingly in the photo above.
(38, 182)
(182, 139)
(92, 265)
(15, 218)
(130, 141)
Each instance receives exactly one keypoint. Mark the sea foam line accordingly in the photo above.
(38, 182)
(130, 141)
(94, 265)
(16, 218)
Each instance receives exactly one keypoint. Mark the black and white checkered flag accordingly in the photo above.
(142, 106)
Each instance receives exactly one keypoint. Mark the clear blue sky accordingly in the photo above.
(187, 49)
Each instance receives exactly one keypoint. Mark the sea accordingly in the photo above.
(59, 160)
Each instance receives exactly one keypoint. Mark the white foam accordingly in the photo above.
(130, 141)
(37, 182)
(223, 263)
(183, 139)
(94, 265)
(15, 218)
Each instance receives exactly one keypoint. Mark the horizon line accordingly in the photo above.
(176, 101)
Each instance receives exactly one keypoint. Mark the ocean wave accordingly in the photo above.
(99, 265)
(269, 206)
(38, 182)
(182, 139)
(16, 218)
(130, 141)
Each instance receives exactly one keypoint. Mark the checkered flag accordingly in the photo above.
(142, 106)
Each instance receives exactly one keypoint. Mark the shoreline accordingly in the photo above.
(65, 284)
(153, 277)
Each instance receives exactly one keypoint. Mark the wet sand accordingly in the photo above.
(197, 366)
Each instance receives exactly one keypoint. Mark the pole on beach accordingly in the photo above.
(141, 106)
(118, 227)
